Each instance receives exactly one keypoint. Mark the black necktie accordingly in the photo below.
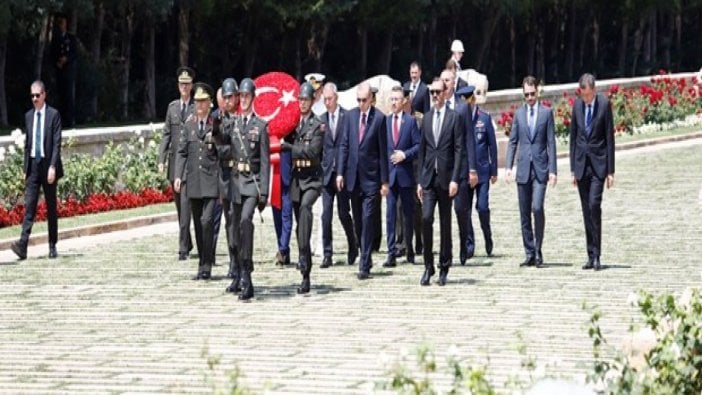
(182, 111)
(246, 120)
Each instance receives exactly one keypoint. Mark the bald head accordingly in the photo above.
(330, 95)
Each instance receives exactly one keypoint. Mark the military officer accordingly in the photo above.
(306, 184)
(197, 162)
(251, 172)
(486, 163)
(226, 116)
(178, 111)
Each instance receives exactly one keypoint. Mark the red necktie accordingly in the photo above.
(395, 131)
(362, 128)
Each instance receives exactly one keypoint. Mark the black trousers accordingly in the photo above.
(590, 188)
(363, 207)
(343, 207)
(203, 215)
(182, 203)
(462, 209)
(304, 218)
(38, 170)
(432, 196)
(243, 218)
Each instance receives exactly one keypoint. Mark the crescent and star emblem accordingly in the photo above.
(286, 98)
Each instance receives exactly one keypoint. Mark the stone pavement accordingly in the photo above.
(117, 313)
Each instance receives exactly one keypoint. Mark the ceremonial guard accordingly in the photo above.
(197, 162)
(251, 171)
(306, 183)
(178, 111)
(226, 117)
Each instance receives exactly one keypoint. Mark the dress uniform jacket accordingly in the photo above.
(197, 160)
(227, 187)
(250, 147)
(306, 157)
(172, 128)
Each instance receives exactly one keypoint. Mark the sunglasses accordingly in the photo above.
(35, 95)
(435, 92)
(529, 94)
(362, 100)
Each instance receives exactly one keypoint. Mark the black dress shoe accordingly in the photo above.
(443, 273)
(462, 258)
(352, 255)
(400, 252)
(539, 260)
(596, 264)
(205, 275)
(363, 275)
(410, 258)
(182, 256)
(326, 262)
(529, 261)
(20, 249)
(390, 262)
(589, 265)
(234, 287)
(246, 293)
(52, 251)
(426, 277)
(488, 247)
(304, 286)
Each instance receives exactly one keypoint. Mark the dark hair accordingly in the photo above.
(415, 64)
(397, 88)
(530, 80)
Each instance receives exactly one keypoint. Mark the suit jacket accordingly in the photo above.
(172, 129)
(421, 101)
(364, 162)
(197, 160)
(597, 147)
(538, 150)
(485, 146)
(52, 140)
(308, 143)
(331, 146)
(446, 154)
(465, 112)
(402, 174)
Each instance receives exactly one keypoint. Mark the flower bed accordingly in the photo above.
(125, 176)
(667, 102)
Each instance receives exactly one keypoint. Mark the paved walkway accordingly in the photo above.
(118, 313)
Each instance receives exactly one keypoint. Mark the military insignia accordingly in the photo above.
(480, 124)
(322, 127)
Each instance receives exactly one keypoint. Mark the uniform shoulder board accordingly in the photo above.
(190, 118)
(175, 102)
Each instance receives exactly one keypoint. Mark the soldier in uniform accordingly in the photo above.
(306, 184)
(178, 111)
(225, 116)
(250, 150)
(197, 162)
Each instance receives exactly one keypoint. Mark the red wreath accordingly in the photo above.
(276, 102)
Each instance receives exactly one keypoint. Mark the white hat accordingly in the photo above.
(457, 46)
(315, 79)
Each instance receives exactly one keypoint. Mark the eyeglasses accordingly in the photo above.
(362, 99)
(529, 94)
(35, 95)
(435, 92)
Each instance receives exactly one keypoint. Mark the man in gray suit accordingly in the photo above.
(533, 130)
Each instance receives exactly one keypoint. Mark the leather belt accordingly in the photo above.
(228, 164)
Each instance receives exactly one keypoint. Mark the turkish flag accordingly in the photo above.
(276, 102)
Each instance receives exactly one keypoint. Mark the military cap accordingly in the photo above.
(306, 91)
(185, 74)
(315, 79)
(466, 91)
(229, 87)
(247, 85)
(203, 91)
(406, 90)
(374, 90)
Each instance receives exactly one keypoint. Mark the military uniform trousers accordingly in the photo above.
(343, 207)
(182, 203)
(203, 215)
(462, 209)
(482, 198)
(242, 218)
(302, 207)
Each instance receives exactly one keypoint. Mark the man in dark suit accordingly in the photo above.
(402, 146)
(306, 182)
(486, 162)
(533, 130)
(419, 92)
(441, 155)
(42, 167)
(197, 162)
(362, 168)
(592, 160)
(461, 204)
(178, 111)
(335, 119)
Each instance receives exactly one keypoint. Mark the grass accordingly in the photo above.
(91, 219)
